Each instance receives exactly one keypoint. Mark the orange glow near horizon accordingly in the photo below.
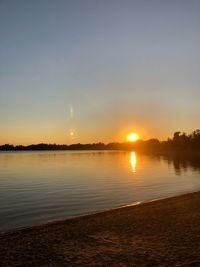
(132, 137)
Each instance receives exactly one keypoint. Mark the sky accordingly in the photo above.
(93, 70)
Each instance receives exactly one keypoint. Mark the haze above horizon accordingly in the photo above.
(89, 71)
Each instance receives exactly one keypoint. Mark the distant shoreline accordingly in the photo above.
(161, 232)
(180, 143)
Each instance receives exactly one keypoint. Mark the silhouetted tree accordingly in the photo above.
(179, 142)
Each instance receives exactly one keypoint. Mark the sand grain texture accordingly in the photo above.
(161, 233)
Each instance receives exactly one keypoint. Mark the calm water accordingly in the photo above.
(37, 187)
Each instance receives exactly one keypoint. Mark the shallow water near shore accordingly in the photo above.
(37, 187)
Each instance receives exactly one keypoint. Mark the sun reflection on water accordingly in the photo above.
(133, 161)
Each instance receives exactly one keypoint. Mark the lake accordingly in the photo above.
(38, 187)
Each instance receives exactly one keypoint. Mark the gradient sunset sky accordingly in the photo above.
(94, 70)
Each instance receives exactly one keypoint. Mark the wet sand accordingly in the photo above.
(160, 233)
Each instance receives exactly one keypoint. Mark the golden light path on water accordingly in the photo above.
(133, 161)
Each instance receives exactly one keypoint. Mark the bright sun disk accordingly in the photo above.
(132, 137)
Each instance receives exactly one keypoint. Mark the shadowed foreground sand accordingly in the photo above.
(160, 233)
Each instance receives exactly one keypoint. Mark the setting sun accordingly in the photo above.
(132, 137)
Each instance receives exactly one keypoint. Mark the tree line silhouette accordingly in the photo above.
(180, 142)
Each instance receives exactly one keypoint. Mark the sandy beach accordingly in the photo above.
(159, 233)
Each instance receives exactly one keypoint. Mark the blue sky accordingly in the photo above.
(98, 69)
